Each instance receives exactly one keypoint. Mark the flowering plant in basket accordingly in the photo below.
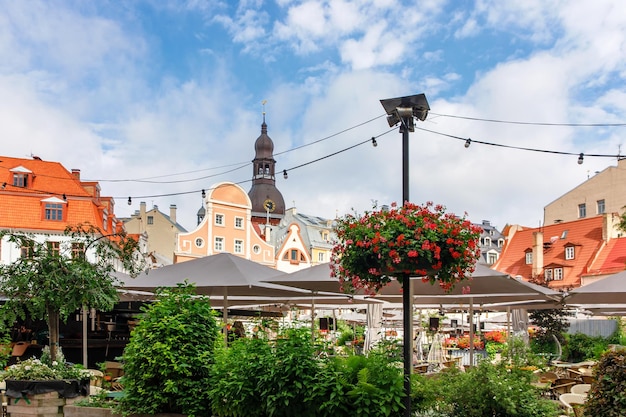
(410, 240)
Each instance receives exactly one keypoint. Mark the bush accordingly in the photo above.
(580, 347)
(607, 397)
(492, 390)
(236, 377)
(168, 359)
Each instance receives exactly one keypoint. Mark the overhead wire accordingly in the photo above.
(468, 141)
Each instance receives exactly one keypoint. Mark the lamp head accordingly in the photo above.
(405, 108)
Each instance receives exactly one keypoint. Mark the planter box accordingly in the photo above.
(42, 398)
(76, 411)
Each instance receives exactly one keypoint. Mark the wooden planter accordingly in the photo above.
(42, 398)
(77, 411)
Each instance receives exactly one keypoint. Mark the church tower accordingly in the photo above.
(268, 205)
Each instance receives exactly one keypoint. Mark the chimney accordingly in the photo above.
(76, 173)
(142, 209)
(173, 213)
(537, 254)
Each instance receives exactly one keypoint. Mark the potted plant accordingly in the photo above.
(411, 240)
(36, 386)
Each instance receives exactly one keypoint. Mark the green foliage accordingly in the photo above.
(518, 354)
(607, 397)
(550, 322)
(489, 390)
(235, 378)
(285, 385)
(580, 347)
(378, 389)
(259, 378)
(168, 360)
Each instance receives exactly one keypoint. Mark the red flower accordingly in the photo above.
(408, 240)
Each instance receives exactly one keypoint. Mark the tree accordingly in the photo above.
(51, 281)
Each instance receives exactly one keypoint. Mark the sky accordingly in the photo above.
(159, 99)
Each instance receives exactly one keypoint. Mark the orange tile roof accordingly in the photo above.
(584, 234)
(611, 259)
(22, 207)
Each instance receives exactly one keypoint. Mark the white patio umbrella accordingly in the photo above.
(374, 326)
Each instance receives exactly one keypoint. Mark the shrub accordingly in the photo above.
(492, 390)
(236, 377)
(168, 359)
(580, 347)
(607, 397)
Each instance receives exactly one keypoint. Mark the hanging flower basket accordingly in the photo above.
(411, 240)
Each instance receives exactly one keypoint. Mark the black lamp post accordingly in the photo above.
(403, 110)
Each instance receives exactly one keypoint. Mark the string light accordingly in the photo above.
(130, 201)
(285, 176)
(581, 158)
(468, 142)
(374, 143)
(203, 193)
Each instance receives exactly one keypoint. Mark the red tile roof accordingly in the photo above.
(23, 207)
(584, 234)
(611, 259)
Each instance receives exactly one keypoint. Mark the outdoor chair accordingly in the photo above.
(547, 377)
(582, 389)
(572, 403)
(562, 386)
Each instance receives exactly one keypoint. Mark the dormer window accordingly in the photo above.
(529, 257)
(569, 252)
(21, 176)
(54, 209)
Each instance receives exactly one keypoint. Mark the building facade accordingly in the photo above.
(605, 192)
(160, 230)
(226, 227)
(564, 255)
(43, 198)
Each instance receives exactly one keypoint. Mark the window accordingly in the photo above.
(569, 253)
(256, 249)
(492, 258)
(487, 241)
(219, 219)
(238, 246)
(558, 274)
(219, 244)
(199, 242)
(78, 250)
(321, 257)
(54, 248)
(28, 249)
(529, 258)
(500, 243)
(325, 236)
(601, 206)
(150, 219)
(20, 180)
(582, 211)
(239, 222)
(548, 274)
(53, 211)
(294, 256)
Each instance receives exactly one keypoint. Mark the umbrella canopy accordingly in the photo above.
(223, 274)
(316, 278)
(609, 290)
(485, 285)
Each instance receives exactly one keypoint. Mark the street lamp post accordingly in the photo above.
(403, 110)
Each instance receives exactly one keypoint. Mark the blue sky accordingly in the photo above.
(159, 99)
